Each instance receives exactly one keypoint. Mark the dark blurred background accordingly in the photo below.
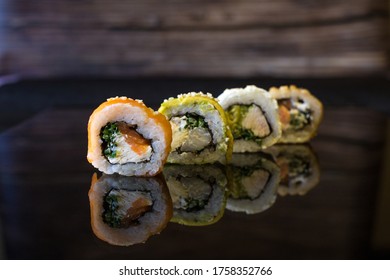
(78, 52)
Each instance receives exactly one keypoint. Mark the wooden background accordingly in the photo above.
(229, 38)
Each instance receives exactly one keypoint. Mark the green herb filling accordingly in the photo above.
(108, 134)
(235, 115)
(193, 204)
(194, 121)
(299, 119)
(111, 206)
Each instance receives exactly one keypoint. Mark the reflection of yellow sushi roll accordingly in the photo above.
(200, 131)
(197, 192)
(253, 183)
(128, 210)
(128, 138)
(299, 168)
(300, 113)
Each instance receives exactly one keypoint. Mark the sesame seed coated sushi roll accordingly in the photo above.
(300, 113)
(128, 138)
(253, 183)
(253, 118)
(200, 130)
(128, 210)
(197, 192)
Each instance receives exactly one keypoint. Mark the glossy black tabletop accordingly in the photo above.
(45, 209)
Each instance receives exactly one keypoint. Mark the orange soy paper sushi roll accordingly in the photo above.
(128, 138)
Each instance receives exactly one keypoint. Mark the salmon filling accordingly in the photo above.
(294, 114)
(122, 144)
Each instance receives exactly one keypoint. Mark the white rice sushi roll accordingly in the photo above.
(199, 129)
(128, 138)
(128, 210)
(299, 168)
(197, 192)
(253, 183)
(253, 118)
(300, 113)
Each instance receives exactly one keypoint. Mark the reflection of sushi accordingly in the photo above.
(299, 169)
(198, 193)
(253, 182)
(200, 130)
(300, 113)
(128, 210)
(253, 118)
(126, 137)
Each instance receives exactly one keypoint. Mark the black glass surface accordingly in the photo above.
(45, 208)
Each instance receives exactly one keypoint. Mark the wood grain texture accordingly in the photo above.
(194, 38)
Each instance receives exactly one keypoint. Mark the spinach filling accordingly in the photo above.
(194, 120)
(299, 166)
(111, 206)
(115, 214)
(108, 134)
(300, 119)
(236, 114)
(193, 204)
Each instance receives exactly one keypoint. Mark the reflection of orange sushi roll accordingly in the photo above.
(128, 210)
(128, 138)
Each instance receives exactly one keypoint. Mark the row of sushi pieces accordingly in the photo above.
(128, 138)
(127, 210)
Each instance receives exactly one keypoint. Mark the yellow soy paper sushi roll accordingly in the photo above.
(128, 138)
(198, 193)
(300, 113)
(200, 131)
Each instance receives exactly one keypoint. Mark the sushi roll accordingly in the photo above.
(128, 210)
(300, 113)
(299, 168)
(253, 118)
(253, 183)
(128, 138)
(200, 131)
(197, 192)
